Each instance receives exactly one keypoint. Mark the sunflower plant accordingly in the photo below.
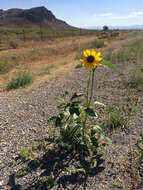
(76, 121)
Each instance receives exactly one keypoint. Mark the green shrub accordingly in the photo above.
(22, 79)
(14, 43)
(25, 154)
(5, 66)
(136, 78)
(115, 118)
(96, 44)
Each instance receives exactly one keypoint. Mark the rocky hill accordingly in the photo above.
(31, 18)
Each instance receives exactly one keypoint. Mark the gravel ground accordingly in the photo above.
(22, 121)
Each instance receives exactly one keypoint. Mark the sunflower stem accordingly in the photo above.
(92, 87)
(87, 92)
(87, 102)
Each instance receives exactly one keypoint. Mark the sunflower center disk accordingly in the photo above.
(90, 59)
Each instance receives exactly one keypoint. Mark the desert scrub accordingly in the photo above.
(140, 145)
(74, 127)
(47, 70)
(21, 79)
(14, 43)
(96, 44)
(120, 56)
(7, 63)
(25, 154)
(136, 78)
(132, 172)
(115, 118)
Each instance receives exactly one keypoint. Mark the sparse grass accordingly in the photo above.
(115, 118)
(47, 70)
(79, 54)
(129, 53)
(96, 44)
(7, 63)
(25, 154)
(64, 63)
(140, 145)
(136, 78)
(120, 56)
(21, 79)
(132, 173)
(49, 181)
(32, 34)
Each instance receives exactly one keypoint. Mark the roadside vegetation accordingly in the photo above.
(25, 50)
(81, 133)
(22, 79)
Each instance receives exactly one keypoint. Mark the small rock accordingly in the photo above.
(1, 183)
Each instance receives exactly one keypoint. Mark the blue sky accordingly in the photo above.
(82, 13)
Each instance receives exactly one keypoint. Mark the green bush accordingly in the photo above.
(22, 79)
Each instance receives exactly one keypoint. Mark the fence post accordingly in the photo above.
(24, 35)
(41, 33)
(80, 32)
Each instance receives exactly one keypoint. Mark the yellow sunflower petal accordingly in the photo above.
(85, 54)
(88, 52)
(93, 52)
(98, 54)
(98, 58)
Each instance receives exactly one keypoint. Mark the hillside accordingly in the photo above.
(31, 18)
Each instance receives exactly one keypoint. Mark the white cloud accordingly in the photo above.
(130, 15)
(106, 14)
(135, 14)
(110, 19)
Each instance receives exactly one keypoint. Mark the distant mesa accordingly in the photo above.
(31, 18)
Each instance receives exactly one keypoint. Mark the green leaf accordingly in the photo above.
(75, 116)
(87, 137)
(95, 163)
(58, 121)
(66, 113)
(51, 119)
(90, 112)
(76, 95)
(62, 105)
(78, 170)
(97, 128)
(100, 104)
(66, 92)
(78, 66)
(110, 65)
(108, 141)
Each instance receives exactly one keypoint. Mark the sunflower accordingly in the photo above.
(91, 59)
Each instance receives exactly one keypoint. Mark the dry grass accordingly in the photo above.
(34, 55)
